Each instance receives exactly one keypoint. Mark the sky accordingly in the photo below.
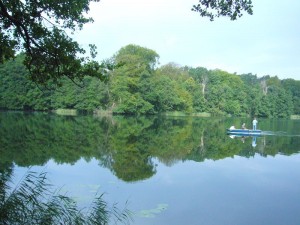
(265, 43)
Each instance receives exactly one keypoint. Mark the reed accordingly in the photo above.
(32, 202)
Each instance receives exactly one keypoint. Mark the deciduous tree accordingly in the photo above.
(229, 8)
(41, 29)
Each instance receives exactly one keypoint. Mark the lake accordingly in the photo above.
(166, 170)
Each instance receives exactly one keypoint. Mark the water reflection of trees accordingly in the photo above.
(126, 145)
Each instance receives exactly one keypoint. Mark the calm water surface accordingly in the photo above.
(169, 170)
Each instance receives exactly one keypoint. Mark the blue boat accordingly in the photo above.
(243, 132)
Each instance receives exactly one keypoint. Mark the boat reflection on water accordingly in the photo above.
(244, 133)
(243, 137)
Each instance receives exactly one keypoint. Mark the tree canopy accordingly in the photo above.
(229, 8)
(139, 86)
(41, 30)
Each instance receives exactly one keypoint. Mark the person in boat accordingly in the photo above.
(244, 126)
(232, 128)
(254, 123)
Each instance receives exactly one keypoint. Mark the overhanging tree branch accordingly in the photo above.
(50, 52)
(228, 8)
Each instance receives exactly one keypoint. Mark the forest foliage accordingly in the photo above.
(139, 85)
(41, 30)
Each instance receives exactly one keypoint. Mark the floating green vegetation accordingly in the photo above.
(151, 213)
(93, 188)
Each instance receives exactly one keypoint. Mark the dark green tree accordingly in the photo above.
(229, 8)
(279, 102)
(40, 29)
(17, 92)
(135, 65)
(176, 95)
(276, 101)
(225, 93)
(253, 94)
(293, 87)
(201, 76)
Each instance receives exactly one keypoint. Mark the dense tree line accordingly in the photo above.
(137, 85)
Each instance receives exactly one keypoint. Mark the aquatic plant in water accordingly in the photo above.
(32, 201)
(151, 213)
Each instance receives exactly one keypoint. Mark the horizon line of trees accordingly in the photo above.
(137, 85)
